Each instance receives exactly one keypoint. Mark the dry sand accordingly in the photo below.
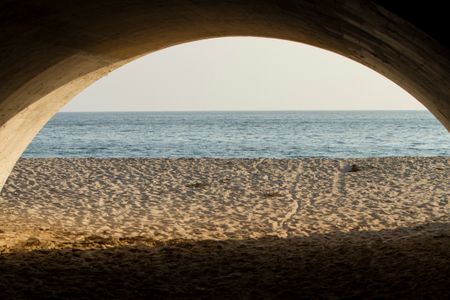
(245, 228)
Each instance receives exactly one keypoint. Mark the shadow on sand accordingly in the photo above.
(406, 263)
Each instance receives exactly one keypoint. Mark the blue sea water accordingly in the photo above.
(277, 134)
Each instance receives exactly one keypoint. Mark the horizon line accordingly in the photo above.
(238, 110)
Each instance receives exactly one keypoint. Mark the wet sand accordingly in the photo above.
(221, 228)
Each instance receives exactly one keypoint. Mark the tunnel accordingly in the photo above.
(51, 50)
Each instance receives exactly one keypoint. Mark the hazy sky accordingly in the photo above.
(242, 74)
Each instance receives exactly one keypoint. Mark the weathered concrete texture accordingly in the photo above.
(50, 50)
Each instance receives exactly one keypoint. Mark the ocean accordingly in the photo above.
(243, 134)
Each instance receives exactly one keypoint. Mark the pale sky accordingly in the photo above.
(242, 73)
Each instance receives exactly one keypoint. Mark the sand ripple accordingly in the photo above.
(64, 200)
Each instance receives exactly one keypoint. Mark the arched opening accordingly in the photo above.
(243, 74)
(44, 67)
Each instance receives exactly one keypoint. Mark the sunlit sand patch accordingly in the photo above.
(52, 202)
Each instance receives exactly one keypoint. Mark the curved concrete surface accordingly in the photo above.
(50, 50)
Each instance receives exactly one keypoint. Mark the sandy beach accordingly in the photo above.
(245, 228)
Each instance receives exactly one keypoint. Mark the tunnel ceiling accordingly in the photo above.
(430, 16)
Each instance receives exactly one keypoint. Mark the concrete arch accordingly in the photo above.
(51, 50)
